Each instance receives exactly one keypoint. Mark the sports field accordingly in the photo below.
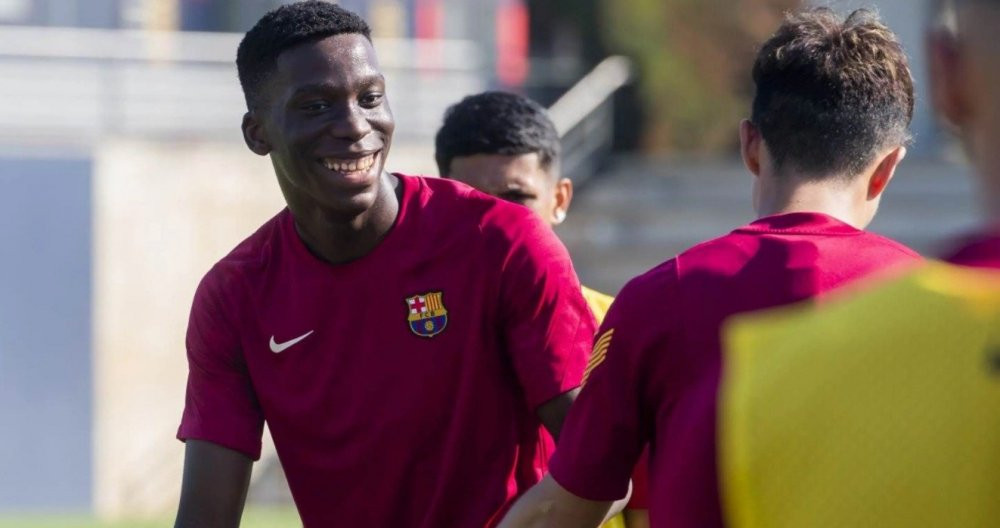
(252, 518)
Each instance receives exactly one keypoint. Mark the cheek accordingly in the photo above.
(540, 208)
(383, 120)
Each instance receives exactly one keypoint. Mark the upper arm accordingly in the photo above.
(220, 405)
(553, 412)
(549, 505)
(547, 327)
(611, 419)
(214, 487)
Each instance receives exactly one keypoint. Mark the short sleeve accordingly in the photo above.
(220, 406)
(547, 325)
(609, 425)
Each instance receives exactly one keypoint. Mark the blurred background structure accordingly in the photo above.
(123, 177)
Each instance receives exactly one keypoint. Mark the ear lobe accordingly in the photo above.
(884, 172)
(750, 142)
(564, 196)
(254, 135)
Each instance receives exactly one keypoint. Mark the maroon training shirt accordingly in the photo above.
(980, 251)
(400, 388)
(658, 379)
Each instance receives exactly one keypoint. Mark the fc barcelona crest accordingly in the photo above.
(426, 314)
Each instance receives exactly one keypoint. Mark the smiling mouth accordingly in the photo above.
(350, 165)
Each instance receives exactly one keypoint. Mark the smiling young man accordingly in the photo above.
(404, 338)
(505, 145)
(833, 101)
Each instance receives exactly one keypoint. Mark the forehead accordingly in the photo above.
(338, 59)
(500, 171)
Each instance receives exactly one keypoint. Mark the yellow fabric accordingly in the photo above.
(875, 410)
(615, 522)
(598, 303)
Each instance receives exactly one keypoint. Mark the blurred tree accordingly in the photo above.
(694, 58)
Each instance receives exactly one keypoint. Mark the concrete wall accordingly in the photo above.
(45, 332)
(164, 213)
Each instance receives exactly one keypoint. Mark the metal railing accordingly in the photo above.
(584, 117)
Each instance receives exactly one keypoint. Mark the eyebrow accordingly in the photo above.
(365, 82)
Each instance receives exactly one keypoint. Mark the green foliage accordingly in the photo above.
(694, 58)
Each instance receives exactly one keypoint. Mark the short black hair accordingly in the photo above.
(496, 123)
(832, 92)
(286, 27)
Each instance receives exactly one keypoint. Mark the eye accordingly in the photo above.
(315, 106)
(371, 99)
(518, 197)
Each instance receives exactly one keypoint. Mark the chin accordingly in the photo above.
(348, 206)
(342, 196)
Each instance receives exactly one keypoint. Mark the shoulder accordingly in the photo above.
(979, 250)
(455, 202)
(723, 255)
(649, 291)
(442, 192)
(888, 245)
(844, 316)
(250, 257)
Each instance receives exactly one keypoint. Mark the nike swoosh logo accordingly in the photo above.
(278, 348)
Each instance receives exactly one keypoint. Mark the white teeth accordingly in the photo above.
(355, 165)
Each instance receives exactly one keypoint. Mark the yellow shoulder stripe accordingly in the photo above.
(598, 354)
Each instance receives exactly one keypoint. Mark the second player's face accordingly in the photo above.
(515, 178)
(329, 123)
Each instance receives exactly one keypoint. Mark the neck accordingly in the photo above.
(338, 239)
(829, 197)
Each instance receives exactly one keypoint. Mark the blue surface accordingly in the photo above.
(45, 334)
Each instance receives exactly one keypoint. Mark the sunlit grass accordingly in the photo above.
(253, 518)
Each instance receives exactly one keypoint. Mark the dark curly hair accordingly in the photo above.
(831, 92)
(284, 28)
(496, 123)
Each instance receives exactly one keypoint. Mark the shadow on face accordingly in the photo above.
(518, 178)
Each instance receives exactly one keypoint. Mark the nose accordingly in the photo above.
(351, 124)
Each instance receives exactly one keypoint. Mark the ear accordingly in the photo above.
(563, 197)
(944, 64)
(750, 145)
(884, 172)
(255, 135)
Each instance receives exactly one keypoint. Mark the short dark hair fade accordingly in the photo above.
(831, 92)
(286, 27)
(496, 123)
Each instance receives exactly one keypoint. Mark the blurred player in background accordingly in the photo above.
(883, 409)
(504, 144)
(404, 338)
(965, 67)
(829, 125)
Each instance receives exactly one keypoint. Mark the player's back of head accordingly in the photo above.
(496, 122)
(284, 28)
(831, 93)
